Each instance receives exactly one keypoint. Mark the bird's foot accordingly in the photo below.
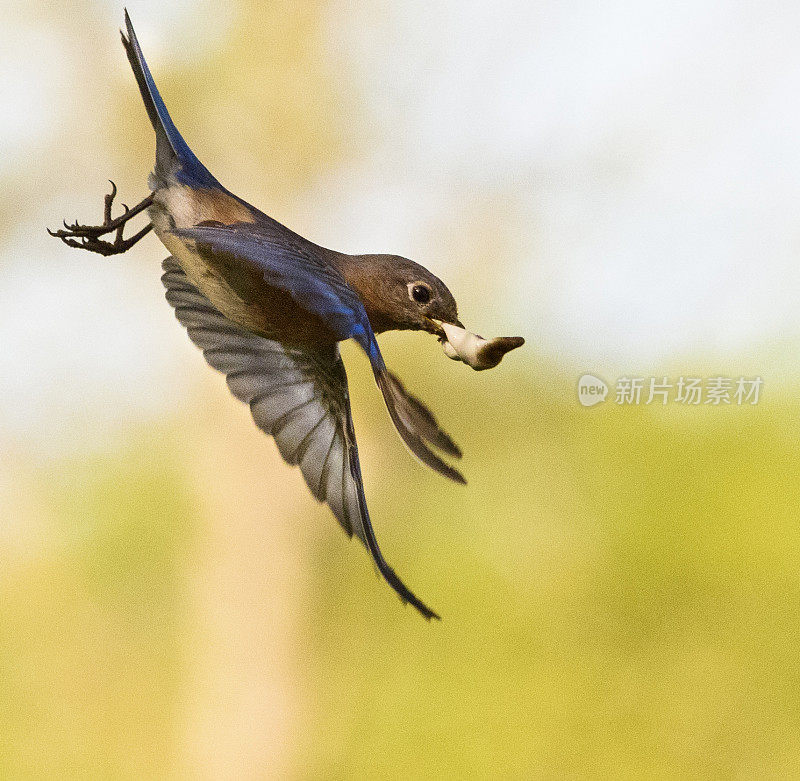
(88, 236)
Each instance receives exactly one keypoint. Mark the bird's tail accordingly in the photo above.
(173, 156)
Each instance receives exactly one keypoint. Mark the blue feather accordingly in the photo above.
(312, 283)
(170, 145)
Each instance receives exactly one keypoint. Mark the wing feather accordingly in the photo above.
(298, 267)
(300, 397)
(295, 268)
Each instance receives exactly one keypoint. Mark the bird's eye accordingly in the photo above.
(419, 292)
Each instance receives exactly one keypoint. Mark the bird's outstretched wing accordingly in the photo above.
(300, 397)
(293, 264)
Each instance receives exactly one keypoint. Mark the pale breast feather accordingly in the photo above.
(179, 206)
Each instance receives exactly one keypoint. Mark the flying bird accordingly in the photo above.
(268, 308)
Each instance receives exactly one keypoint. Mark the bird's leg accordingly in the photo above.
(88, 236)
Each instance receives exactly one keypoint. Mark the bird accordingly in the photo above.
(269, 309)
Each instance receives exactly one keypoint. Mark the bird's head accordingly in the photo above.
(399, 294)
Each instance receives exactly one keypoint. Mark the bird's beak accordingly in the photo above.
(435, 327)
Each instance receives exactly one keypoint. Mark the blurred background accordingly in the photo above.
(620, 585)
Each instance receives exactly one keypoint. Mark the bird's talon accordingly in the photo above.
(89, 235)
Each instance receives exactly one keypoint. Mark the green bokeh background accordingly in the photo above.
(619, 585)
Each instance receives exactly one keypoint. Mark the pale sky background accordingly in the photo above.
(641, 161)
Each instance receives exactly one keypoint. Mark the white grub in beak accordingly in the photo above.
(474, 350)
